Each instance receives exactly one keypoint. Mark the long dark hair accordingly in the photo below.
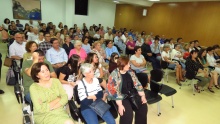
(193, 51)
(113, 56)
(200, 54)
(73, 62)
(89, 59)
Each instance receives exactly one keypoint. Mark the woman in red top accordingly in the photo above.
(130, 46)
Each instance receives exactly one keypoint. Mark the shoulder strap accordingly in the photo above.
(85, 87)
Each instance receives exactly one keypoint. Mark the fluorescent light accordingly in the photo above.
(116, 1)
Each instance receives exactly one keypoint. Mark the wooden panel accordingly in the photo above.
(191, 20)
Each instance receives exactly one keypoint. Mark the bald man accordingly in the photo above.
(17, 48)
(34, 35)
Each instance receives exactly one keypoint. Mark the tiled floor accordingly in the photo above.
(203, 108)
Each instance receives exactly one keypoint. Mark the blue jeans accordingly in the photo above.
(91, 117)
(28, 97)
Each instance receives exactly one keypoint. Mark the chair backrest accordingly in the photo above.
(164, 64)
(155, 87)
(156, 75)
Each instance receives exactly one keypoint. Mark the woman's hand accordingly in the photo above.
(93, 97)
(121, 110)
(143, 99)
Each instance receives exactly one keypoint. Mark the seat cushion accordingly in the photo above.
(167, 90)
(152, 97)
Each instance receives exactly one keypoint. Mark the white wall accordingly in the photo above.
(64, 11)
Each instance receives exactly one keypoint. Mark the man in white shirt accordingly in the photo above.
(17, 48)
(34, 35)
(108, 35)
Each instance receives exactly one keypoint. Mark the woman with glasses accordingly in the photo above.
(113, 62)
(78, 50)
(110, 49)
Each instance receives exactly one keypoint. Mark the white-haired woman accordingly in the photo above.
(89, 90)
(78, 50)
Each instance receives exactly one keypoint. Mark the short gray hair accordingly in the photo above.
(85, 67)
(166, 46)
(77, 42)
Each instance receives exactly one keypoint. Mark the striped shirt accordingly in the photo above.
(92, 88)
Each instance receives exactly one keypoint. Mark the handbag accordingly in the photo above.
(135, 99)
(8, 62)
(98, 106)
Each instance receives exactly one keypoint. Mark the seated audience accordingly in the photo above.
(216, 49)
(171, 43)
(96, 35)
(44, 28)
(110, 49)
(166, 60)
(40, 38)
(85, 45)
(46, 45)
(3, 35)
(121, 82)
(33, 36)
(202, 59)
(17, 48)
(57, 34)
(155, 48)
(93, 59)
(108, 35)
(130, 46)
(196, 45)
(30, 47)
(55, 55)
(67, 72)
(195, 70)
(48, 97)
(79, 33)
(89, 91)
(99, 51)
(138, 64)
(37, 56)
(139, 41)
(67, 46)
(191, 46)
(91, 31)
(113, 62)
(118, 41)
(6, 24)
(148, 55)
(78, 50)
(176, 55)
(211, 60)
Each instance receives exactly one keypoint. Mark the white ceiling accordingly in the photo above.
(150, 3)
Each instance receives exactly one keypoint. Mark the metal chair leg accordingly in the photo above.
(172, 101)
(158, 109)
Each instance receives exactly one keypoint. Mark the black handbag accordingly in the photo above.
(99, 106)
(135, 99)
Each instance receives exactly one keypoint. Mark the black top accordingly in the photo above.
(127, 83)
(192, 68)
(68, 48)
(145, 49)
(66, 71)
(44, 31)
(216, 56)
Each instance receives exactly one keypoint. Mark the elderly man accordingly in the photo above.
(46, 45)
(34, 35)
(38, 56)
(17, 48)
(119, 42)
(55, 55)
(108, 35)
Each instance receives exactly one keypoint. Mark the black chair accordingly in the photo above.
(166, 90)
(166, 69)
(152, 96)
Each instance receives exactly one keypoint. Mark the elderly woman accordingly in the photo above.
(121, 83)
(138, 64)
(110, 49)
(166, 61)
(67, 46)
(89, 91)
(139, 41)
(99, 51)
(78, 50)
(176, 55)
(69, 74)
(48, 97)
(194, 69)
(130, 45)
(30, 47)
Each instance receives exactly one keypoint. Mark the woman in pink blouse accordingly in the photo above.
(78, 50)
(130, 46)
